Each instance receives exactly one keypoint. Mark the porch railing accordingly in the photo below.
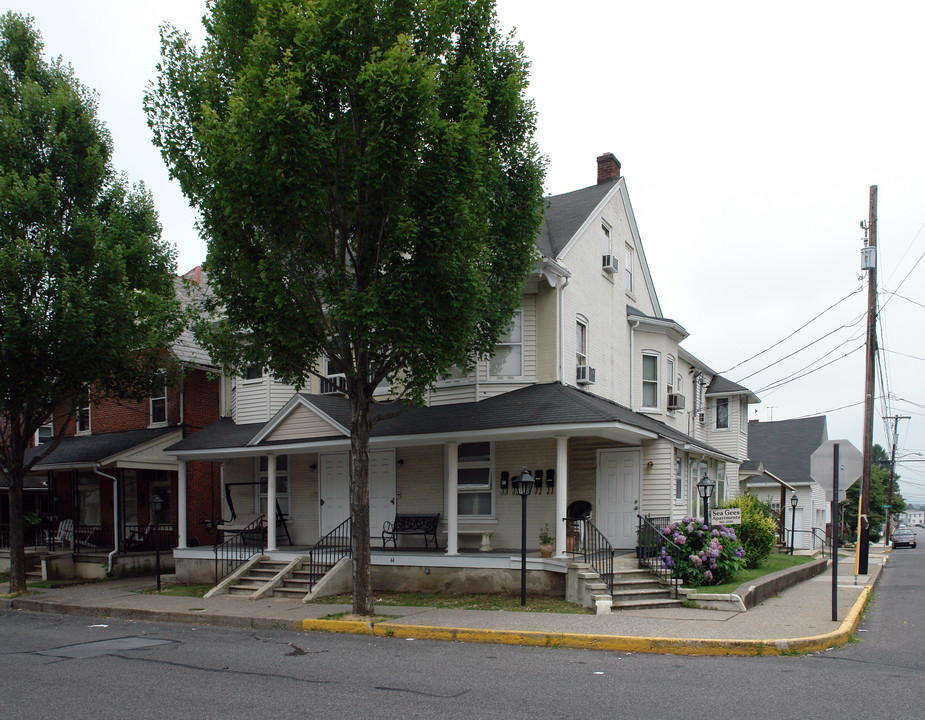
(656, 552)
(328, 550)
(597, 551)
(238, 549)
(33, 536)
(141, 537)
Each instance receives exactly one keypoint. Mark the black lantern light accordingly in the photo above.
(523, 486)
(794, 501)
(705, 489)
(157, 504)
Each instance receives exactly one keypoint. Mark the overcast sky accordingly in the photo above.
(749, 137)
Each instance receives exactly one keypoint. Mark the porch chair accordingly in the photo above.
(65, 534)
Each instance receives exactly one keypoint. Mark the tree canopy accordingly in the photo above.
(369, 188)
(879, 493)
(86, 283)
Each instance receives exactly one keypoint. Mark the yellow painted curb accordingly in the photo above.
(618, 643)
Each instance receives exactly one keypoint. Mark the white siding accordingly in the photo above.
(303, 423)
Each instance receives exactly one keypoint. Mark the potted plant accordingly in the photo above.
(547, 542)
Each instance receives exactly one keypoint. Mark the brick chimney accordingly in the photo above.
(608, 168)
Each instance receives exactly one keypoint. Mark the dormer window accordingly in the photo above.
(722, 413)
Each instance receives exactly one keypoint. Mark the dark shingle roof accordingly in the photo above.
(90, 449)
(565, 214)
(784, 447)
(190, 290)
(722, 386)
(534, 405)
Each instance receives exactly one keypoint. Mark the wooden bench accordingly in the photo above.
(485, 545)
(420, 524)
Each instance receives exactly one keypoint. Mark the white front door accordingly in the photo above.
(619, 482)
(334, 489)
(381, 491)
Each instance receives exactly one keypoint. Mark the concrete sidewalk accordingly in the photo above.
(798, 620)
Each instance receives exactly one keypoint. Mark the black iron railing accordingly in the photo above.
(597, 551)
(33, 536)
(239, 548)
(140, 538)
(656, 552)
(328, 550)
(89, 537)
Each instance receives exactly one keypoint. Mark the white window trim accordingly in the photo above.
(84, 431)
(629, 260)
(151, 401)
(489, 488)
(252, 381)
(642, 377)
(520, 343)
(263, 476)
(716, 426)
(49, 425)
(680, 482)
(581, 358)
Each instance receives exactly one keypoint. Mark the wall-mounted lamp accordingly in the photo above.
(649, 464)
(313, 467)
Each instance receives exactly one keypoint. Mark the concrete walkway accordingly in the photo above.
(798, 620)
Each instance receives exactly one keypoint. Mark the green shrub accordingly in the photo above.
(758, 531)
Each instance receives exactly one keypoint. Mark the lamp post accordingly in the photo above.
(705, 489)
(794, 501)
(523, 486)
(157, 504)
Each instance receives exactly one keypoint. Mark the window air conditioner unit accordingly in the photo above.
(585, 375)
(610, 264)
(675, 401)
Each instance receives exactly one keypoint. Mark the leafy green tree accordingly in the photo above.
(86, 284)
(369, 189)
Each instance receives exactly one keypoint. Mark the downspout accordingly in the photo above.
(633, 365)
(115, 514)
(560, 287)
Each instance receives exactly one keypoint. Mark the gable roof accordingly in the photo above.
(784, 447)
(723, 386)
(526, 411)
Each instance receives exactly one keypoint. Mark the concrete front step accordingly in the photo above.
(645, 604)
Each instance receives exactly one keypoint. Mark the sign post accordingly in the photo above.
(832, 462)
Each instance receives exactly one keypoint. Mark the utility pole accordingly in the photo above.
(870, 264)
(889, 501)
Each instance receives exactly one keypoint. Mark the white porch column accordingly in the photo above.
(561, 493)
(181, 504)
(271, 502)
(452, 499)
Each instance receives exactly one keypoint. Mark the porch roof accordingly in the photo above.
(89, 451)
(532, 411)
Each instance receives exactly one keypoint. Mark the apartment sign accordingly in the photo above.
(726, 516)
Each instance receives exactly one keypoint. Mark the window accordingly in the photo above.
(159, 400)
(45, 432)
(678, 477)
(606, 247)
(669, 374)
(334, 380)
(722, 413)
(474, 473)
(253, 372)
(649, 380)
(83, 414)
(282, 485)
(629, 269)
(743, 415)
(130, 498)
(581, 342)
(720, 494)
(509, 351)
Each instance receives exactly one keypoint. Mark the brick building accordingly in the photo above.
(96, 488)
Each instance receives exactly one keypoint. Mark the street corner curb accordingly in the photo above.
(354, 627)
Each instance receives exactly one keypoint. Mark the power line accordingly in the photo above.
(796, 376)
(812, 320)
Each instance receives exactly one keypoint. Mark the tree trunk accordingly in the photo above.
(359, 503)
(17, 541)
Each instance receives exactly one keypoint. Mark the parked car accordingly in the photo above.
(904, 537)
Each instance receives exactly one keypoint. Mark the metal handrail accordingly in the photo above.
(656, 552)
(328, 550)
(597, 551)
(817, 534)
(236, 550)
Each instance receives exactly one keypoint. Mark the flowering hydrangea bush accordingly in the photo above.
(709, 554)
